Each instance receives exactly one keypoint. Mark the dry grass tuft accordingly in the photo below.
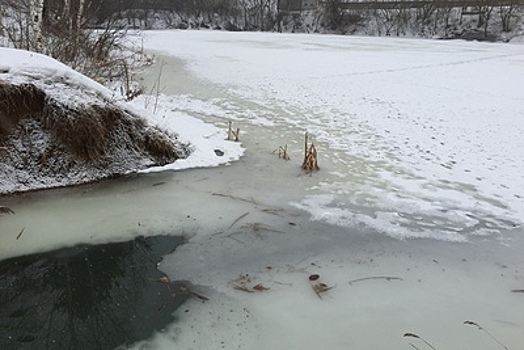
(84, 132)
(282, 153)
(160, 145)
(416, 336)
(17, 102)
(482, 329)
(233, 135)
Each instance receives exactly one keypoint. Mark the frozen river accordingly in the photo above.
(416, 138)
(421, 153)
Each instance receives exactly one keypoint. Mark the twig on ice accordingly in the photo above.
(388, 278)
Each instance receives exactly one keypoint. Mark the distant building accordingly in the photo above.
(297, 5)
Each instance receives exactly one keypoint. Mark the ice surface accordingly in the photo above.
(362, 100)
(418, 134)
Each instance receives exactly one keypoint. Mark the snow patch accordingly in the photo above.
(208, 144)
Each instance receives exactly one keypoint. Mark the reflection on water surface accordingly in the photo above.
(86, 297)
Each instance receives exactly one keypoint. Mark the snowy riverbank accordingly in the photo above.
(76, 130)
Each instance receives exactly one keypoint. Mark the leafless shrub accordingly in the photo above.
(508, 15)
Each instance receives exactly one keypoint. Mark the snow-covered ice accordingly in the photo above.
(424, 138)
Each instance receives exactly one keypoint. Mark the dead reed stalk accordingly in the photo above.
(310, 156)
(416, 336)
(233, 135)
(282, 153)
(157, 86)
(20, 234)
(387, 278)
(480, 328)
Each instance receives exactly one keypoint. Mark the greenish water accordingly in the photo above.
(87, 296)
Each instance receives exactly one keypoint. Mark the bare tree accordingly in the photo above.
(333, 15)
(36, 13)
(507, 14)
(79, 16)
(485, 11)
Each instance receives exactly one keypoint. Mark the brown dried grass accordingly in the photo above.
(16, 103)
(160, 145)
(83, 132)
(90, 134)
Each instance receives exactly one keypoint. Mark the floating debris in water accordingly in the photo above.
(6, 210)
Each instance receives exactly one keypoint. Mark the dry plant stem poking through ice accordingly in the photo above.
(282, 153)
(233, 135)
(310, 156)
(480, 328)
(413, 335)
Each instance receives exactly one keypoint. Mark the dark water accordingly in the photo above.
(87, 297)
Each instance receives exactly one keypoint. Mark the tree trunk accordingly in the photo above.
(79, 16)
(36, 12)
